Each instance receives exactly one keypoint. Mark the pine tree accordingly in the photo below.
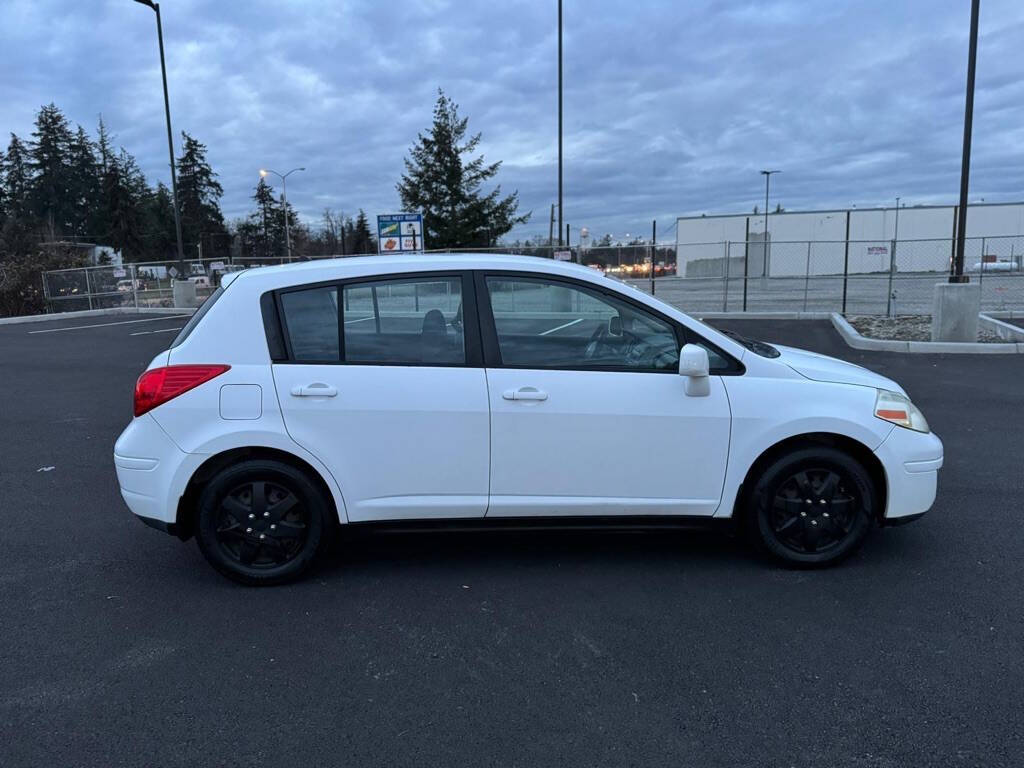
(51, 171)
(16, 180)
(161, 242)
(199, 195)
(363, 241)
(124, 195)
(84, 190)
(448, 192)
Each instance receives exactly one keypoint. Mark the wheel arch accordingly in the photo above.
(215, 463)
(849, 445)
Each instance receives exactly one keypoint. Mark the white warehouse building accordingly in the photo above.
(819, 243)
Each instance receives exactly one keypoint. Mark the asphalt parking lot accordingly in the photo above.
(122, 647)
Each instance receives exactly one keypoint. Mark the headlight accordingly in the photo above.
(897, 408)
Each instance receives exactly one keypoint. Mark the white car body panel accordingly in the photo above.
(605, 443)
(403, 442)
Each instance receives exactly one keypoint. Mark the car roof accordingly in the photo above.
(357, 266)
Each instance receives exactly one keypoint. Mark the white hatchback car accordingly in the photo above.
(483, 389)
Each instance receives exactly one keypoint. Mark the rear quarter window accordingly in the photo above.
(197, 317)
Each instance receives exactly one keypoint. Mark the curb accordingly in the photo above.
(855, 340)
(95, 312)
(993, 322)
(761, 315)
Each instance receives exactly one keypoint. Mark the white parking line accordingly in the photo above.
(161, 330)
(165, 318)
(560, 327)
(359, 320)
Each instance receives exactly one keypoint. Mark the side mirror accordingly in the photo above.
(694, 365)
(615, 325)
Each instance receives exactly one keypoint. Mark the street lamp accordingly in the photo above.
(957, 274)
(170, 139)
(559, 122)
(284, 198)
(767, 244)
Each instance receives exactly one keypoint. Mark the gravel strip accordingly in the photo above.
(906, 328)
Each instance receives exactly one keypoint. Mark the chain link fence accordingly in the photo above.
(864, 277)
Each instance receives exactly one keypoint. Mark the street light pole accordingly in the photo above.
(170, 138)
(284, 199)
(767, 244)
(559, 122)
(965, 167)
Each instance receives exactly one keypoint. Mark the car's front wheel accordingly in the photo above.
(812, 507)
(262, 522)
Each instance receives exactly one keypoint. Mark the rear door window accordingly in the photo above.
(411, 321)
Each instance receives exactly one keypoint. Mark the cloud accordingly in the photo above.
(670, 108)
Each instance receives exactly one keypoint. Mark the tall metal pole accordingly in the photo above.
(559, 122)
(958, 275)
(284, 206)
(170, 137)
(767, 244)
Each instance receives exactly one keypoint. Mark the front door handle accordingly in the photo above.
(316, 389)
(525, 393)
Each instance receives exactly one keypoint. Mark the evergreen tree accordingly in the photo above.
(51, 197)
(161, 241)
(448, 192)
(84, 189)
(362, 239)
(16, 236)
(125, 195)
(199, 195)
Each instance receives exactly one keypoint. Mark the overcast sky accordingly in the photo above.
(671, 107)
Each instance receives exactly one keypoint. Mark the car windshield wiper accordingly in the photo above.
(757, 347)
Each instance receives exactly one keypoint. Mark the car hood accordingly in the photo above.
(824, 368)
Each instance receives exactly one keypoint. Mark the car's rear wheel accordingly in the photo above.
(262, 522)
(812, 507)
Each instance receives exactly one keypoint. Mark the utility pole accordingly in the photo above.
(767, 243)
(559, 122)
(284, 204)
(958, 275)
(170, 138)
(551, 227)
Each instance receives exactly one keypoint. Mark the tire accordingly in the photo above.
(812, 507)
(262, 522)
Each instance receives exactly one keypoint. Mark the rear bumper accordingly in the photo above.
(912, 461)
(147, 463)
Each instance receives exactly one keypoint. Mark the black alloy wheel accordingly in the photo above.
(812, 507)
(262, 521)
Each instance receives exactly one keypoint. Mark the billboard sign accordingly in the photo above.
(400, 233)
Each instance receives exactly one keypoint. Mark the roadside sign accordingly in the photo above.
(563, 255)
(172, 272)
(119, 273)
(217, 266)
(400, 233)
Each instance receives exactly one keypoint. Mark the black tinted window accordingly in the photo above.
(311, 319)
(542, 324)
(414, 321)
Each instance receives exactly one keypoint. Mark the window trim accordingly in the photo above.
(489, 333)
(470, 330)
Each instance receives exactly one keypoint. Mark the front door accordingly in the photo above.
(395, 402)
(588, 413)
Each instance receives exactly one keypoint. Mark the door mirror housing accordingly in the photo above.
(695, 367)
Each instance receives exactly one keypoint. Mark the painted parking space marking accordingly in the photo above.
(359, 320)
(159, 330)
(103, 325)
(560, 327)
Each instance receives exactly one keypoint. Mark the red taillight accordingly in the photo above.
(159, 385)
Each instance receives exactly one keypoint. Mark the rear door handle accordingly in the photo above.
(316, 389)
(525, 393)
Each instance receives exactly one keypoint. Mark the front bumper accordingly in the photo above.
(912, 461)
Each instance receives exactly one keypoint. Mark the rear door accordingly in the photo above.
(384, 383)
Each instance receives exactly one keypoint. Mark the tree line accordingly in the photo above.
(63, 186)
